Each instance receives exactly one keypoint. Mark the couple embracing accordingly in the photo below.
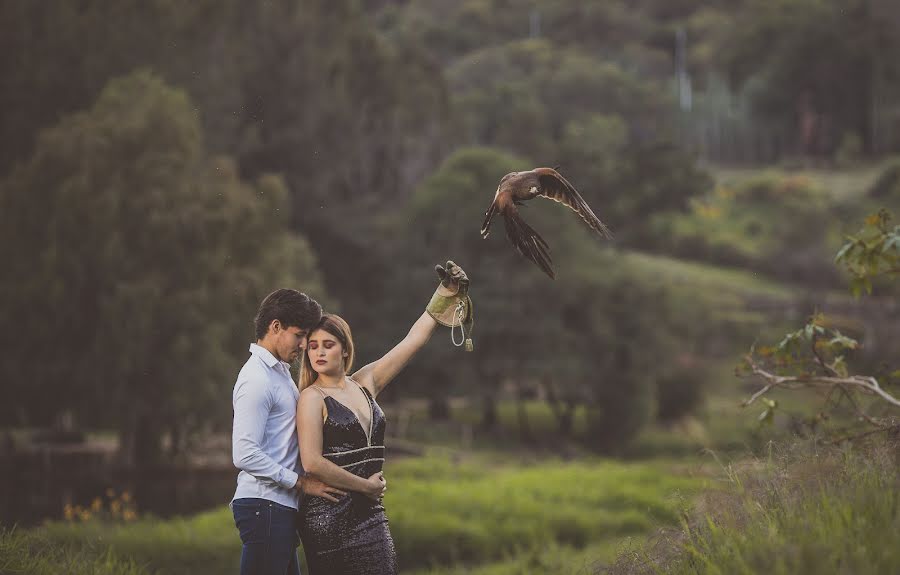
(311, 455)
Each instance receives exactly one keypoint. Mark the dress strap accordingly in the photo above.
(364, 390)
(319, 389)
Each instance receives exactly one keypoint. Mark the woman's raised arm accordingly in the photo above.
(376, 375)
(453, 289)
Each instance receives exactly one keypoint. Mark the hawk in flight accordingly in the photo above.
(519, 187)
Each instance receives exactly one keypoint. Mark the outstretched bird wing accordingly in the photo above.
(526, 240)
(552, 185)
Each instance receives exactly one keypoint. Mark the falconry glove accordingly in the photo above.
(451, 305)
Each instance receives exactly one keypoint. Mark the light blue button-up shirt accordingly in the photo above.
(264, 436)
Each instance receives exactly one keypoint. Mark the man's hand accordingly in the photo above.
(377, 487)
(311, 486)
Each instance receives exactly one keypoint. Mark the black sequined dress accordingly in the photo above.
(352, 536)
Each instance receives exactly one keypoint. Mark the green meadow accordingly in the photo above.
(496, 516)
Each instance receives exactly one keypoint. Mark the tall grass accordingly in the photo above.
(811, 510)
(22, 552)
(204, 543)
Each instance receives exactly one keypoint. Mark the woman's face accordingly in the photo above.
(326, 355)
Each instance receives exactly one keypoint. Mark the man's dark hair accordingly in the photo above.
(289, 306)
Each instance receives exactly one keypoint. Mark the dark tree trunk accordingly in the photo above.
(563, 410)
(438, 409)
(566, 418)
(524, 427)
(140, 442)
(489, 416)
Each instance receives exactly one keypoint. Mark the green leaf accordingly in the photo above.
(790, 340)
(808, 331)
(839, 366)
(842, 340)
(843, 252)
(767, 417)
(893, 243)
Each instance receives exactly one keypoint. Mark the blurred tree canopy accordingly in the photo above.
(135, 265)
(303, 89)
(819, 65)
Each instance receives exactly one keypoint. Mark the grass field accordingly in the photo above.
(700, 276)
(843, 184)
(473, 513)
(36, 554)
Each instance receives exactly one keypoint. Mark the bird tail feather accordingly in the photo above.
(488, 216)
(528, 242)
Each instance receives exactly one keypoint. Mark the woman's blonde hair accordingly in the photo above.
(336, 326)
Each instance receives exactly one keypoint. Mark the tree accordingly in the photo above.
(814, 65)
(352, 119)
(136, 262)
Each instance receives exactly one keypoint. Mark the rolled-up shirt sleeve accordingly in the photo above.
(252, 403)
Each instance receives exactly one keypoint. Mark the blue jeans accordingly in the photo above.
(269, 533)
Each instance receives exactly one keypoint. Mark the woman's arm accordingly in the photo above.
(379, 373)
(310, 411)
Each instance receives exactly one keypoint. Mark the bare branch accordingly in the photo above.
(859, 411)
(825, 367)
(889, 428)
(757, 395)
(864, 384)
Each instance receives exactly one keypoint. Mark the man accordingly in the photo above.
(264, 437)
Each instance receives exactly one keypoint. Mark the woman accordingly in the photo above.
(341, 434)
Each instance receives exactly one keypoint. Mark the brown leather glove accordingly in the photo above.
(451, 305)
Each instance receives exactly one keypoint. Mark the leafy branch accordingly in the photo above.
(872, 252)
(814, 356)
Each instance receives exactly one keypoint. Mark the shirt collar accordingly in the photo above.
(265, 355)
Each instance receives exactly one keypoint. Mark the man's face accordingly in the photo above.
(289, 342)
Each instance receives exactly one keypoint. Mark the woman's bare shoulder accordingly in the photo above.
(311, 395)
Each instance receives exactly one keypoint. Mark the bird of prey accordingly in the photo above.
(519, 187)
